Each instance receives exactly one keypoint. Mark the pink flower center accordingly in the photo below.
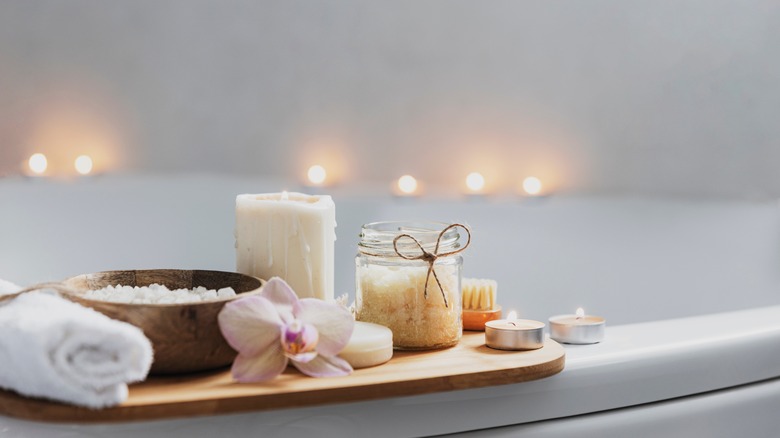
(299, 341)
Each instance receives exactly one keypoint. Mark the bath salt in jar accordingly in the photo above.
(408, 277)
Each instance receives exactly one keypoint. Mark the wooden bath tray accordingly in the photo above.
(469, 365)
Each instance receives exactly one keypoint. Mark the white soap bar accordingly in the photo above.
(288, 235)
(370, 345)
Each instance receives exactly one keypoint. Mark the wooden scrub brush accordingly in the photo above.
(479, 303)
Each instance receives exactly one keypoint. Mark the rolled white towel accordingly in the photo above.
(6, 287)
(56, 349)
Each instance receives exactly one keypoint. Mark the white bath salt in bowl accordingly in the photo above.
(157, 294)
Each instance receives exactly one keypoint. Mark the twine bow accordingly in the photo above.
(431, 257)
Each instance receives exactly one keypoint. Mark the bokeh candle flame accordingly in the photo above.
(475, 182)
(580, 313)
(38, 163)
(317, 175)
(532, 186)
(407, 184)
(83, 164)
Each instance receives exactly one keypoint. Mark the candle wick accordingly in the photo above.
(512, 322)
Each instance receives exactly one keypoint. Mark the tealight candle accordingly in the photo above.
(370, 345)
(578, 328)
(514, 334)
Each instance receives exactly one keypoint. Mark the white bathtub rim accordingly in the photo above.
(636, 364)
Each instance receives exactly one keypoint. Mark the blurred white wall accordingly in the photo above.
(659, 97)
(627, 258)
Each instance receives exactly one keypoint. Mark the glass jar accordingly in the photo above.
(391, 285)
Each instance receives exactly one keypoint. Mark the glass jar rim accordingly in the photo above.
(378, 237)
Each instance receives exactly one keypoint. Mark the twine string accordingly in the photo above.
(431, 257)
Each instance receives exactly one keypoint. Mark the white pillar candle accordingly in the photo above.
(370, 345)
(288, 235)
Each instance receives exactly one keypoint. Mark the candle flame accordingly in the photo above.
(532, 185)
(317, 175)
(511, 316)
(475, 182)
(38, 163)
(285, 196)
(407, 184)
(83, 164)
(580, 313)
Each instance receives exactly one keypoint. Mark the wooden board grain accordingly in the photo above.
(468, 365)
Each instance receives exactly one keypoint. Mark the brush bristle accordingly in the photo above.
(479, 294)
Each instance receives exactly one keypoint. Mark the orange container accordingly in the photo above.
(475, 319)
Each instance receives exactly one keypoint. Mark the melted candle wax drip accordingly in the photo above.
(270, 245)
(305, 250)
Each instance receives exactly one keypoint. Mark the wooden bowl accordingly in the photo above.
(185, 336)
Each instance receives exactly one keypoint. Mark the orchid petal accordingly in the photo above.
(264, 366)
(302, 357)
(282, 296)
(324, 366)
(333, 322)
(250, 324)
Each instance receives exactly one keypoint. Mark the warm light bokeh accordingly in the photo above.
(475, 182)
(76, 121)
(317, 175)
(407, 185)
(532, 186)
(319, 146)
(83, 164)
(38, 163)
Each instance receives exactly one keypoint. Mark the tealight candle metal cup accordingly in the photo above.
(574, 329)
(514, 334)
